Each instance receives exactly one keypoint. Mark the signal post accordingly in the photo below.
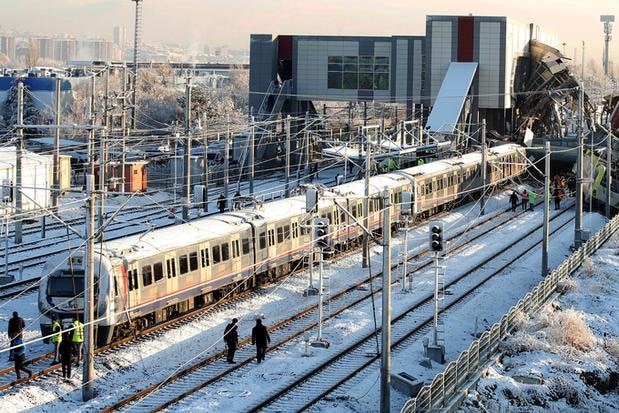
(436, 351)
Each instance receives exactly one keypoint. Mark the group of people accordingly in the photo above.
(65, 344)
(259, 337)
(222, 202)
(527, 200)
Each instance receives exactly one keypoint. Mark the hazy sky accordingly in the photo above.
(196, 22)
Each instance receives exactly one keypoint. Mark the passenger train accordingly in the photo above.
(141, 280)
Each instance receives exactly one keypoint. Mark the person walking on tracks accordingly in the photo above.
(557, 195)
(231, 337)
(56, 338)
(16, 327)
(77, 339)
(260, 337)
(19, 357)
(525, 199)
(532, 200)
(66, 354)
(514, 200)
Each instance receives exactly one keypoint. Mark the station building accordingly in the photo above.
(287, 72)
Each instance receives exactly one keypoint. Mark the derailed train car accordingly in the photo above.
(141, 280)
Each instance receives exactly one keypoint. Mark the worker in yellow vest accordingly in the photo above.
(56, 338)
(77, 338)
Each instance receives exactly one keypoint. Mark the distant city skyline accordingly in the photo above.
(195, 23)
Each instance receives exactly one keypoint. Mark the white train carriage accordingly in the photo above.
(145, 279)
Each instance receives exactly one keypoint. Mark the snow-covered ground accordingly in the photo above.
(132, 368)
(565, 358)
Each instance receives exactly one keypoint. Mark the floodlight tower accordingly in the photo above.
(608, 30)
(136, 57)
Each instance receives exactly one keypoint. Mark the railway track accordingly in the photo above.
(41, 367)
(406, 328)
(206, 373)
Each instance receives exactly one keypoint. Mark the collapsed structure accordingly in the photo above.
(466, 68)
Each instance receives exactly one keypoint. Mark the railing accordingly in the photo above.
(446, 384)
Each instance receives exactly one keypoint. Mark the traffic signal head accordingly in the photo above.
(321, 232)
(436, 236)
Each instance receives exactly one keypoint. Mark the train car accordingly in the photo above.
(142, 280)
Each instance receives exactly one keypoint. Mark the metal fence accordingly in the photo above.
(446, 384)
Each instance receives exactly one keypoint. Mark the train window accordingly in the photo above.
(271, 237)
(130, 280)
(359, 210)
(147, 275)
(205, 258)
(263, 240)
(286, 231)
(280, 235)
(158, 271)
(216, 254)
(330, 218)
(193, 261)
(295, 230)
(225, 251)
(115, 287)
(235, 248)
(183, 265)
(245, 245)
(353, 211)
(171, 267)
(134, 276)
(342, 217)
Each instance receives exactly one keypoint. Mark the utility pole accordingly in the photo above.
(287, 126)
(56, 192)
(609, 148)
(307, 143)
(582, 69)
(366, 204)
(252, 154)
(483, 167)
(91, 133)
(226, 161)
(187, 149)
(136, 57)
(103, 156)
(579, 170)
(385, 356)
(123, 126)
(18, 163)
(547, 198)
(420, 129)
(205, 143)
(89, 287)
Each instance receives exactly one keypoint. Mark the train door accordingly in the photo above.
(235, 253)
(204, 261)
(271, 246)
(133, 285)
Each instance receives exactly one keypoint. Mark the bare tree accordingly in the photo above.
(32, 54)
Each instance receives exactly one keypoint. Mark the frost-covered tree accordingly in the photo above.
(9, 110)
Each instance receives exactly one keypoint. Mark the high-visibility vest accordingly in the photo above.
(78, 333)
(57, 337)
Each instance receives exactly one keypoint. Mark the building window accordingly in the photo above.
(358, 72)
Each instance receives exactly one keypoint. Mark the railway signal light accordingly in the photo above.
(321, 232)
(436, 236)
